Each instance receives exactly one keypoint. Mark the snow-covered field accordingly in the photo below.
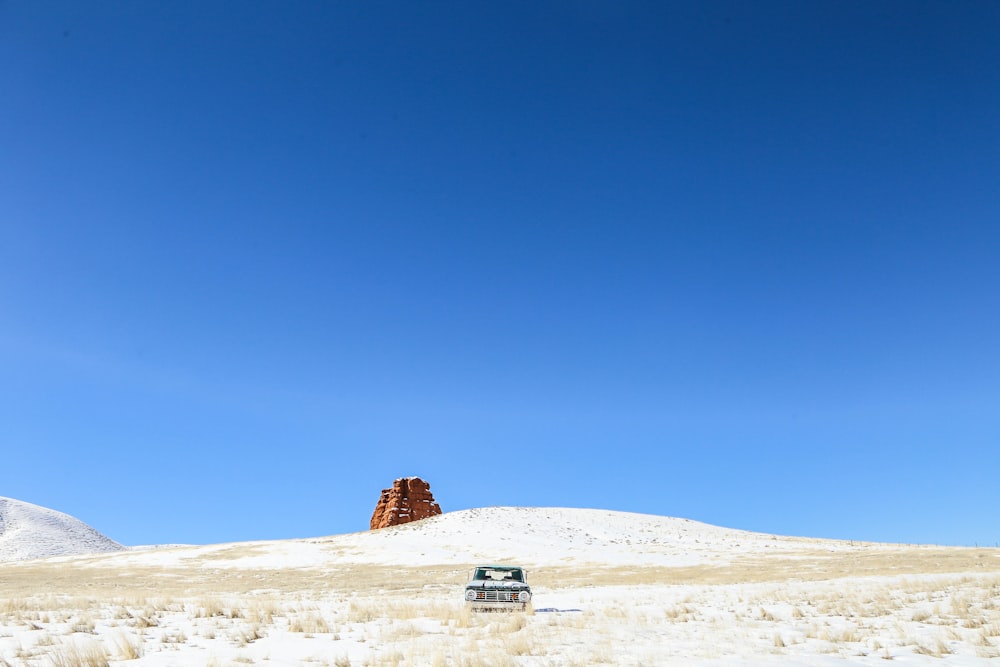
(610, 588)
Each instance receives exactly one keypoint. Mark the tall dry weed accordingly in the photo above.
(80, 654)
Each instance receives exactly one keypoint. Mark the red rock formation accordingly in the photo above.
(409, 499)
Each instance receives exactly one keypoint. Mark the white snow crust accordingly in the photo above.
(528, 536)
(30, 531)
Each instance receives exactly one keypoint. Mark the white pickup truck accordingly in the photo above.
(496, 587)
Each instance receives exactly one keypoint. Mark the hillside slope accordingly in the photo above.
(30, 531)
(532, 536)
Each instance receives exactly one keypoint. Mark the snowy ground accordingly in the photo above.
(610, 588)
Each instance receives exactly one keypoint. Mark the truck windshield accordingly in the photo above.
(499, 574)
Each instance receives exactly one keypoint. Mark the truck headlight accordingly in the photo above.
(470, 595)
(524, 596)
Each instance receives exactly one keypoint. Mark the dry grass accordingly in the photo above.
(127, 646)
(80, 654)
(308, 623)
(81, 579)
(880, 601)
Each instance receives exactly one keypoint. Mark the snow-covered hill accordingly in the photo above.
(531, 536)
(30, 531)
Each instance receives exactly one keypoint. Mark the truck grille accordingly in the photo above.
(497, 596)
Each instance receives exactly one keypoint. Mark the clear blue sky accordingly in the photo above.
(734, 262)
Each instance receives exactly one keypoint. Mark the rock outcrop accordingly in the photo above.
(409, 499)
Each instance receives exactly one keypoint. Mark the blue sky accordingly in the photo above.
(734, 262)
